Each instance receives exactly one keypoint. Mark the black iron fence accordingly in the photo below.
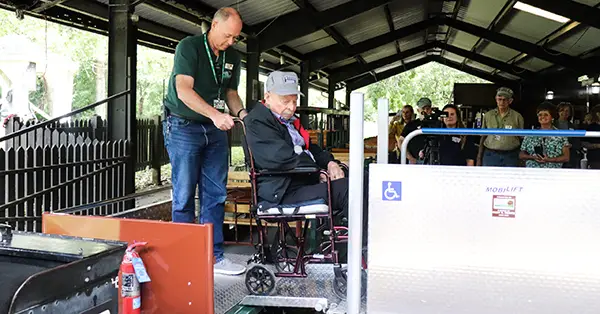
(52, 165)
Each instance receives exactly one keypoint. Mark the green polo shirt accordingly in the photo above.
(511, 120)
(191, 59)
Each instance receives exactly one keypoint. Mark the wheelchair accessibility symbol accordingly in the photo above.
(392, 191)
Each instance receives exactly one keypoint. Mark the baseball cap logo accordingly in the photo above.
(289, 80)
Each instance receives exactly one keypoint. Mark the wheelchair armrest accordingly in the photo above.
(299, 170)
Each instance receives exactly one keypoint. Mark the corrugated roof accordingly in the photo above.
(412, 41)
(480, 66)
(364, 26)
(588, 2)
(380, 52)
(529, 27)
(323, 5)
(580, 42)
(535, 64)
(157, 16)
(509, 76)
(311, 42)
(389, 66)
(342, 63)
(462, 40)
(481, 13)
(453, 57)
(499, 52)
(415, 57)
(256, 11)
(407, 12)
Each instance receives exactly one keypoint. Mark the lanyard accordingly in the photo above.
(212, 66)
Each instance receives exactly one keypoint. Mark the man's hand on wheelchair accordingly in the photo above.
(335, 171)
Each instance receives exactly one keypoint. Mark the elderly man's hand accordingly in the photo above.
(334, 171)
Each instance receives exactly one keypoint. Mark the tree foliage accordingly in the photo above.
(432, 80)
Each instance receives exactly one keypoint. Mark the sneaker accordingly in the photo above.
(226, 267)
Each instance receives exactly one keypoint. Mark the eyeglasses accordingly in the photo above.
(543, 114)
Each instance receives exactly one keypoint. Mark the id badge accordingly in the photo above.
(508, 127)
(497, 137)
(456, 139)
(219, 104)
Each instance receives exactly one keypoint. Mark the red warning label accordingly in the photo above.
(504, 206)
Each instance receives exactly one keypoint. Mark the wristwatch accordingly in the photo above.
(239, 112)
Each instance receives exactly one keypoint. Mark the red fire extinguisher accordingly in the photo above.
(130, 285)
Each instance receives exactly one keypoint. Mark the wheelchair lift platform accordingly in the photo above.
(313, 292)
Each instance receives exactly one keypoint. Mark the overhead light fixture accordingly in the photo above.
(596, 88)
(539, 12)
(549, 95)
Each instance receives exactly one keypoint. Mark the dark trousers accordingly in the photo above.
(339, 197)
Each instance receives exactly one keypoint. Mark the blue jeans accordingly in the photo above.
(199, 155)
(500, 159)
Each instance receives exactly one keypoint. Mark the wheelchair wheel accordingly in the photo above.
(285, 259)
(259, 280)
(340, 283)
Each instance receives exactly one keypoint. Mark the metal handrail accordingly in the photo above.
(66, 115)
(502, 132)
(119, 199)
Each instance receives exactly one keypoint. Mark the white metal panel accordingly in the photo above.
(342, 63)
(311, 42)
(256, 11)
(580, 42)
(535, 64)
(323, 5)
(499, 52)
(481, 12)
(437, 248)
(412, 41)
(529, 27)
(364, 26)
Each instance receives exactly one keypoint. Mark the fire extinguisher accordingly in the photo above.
(130, 285)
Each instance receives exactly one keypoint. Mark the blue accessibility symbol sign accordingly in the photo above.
(392, 191)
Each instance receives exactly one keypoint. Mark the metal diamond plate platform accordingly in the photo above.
(483, 240)
(315, 291)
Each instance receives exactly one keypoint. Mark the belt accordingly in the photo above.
(502, 151)
(188, 119)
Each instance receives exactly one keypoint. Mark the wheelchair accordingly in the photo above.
(288, 253)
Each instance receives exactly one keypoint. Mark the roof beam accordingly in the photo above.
(332, 54)
(475, 72)
(499, 21)
(303, 22)
(388, 17)
(491, 62)
(570, 9)
(354, 70)
(521, 45)
(370, 79)
(305, 5)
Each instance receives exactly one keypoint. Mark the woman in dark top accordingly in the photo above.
(593, 143)
(456, 150)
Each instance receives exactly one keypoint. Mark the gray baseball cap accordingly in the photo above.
(505, 92)
(283, 83)
(423, 102)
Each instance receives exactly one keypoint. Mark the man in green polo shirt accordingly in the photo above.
(204, 80)
(495, 150)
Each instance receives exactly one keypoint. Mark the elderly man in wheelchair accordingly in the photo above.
(293, 181)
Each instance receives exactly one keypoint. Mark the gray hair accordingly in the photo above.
(223, 14)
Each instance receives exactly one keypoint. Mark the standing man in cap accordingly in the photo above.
(279, 142)
(501, 151)
(205, 77)
(418, 142)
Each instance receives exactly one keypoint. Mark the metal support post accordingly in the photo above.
(331, 95)
(252, 82)
(383, 105)
(355, 202)
(304, 77)
(121, 113)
